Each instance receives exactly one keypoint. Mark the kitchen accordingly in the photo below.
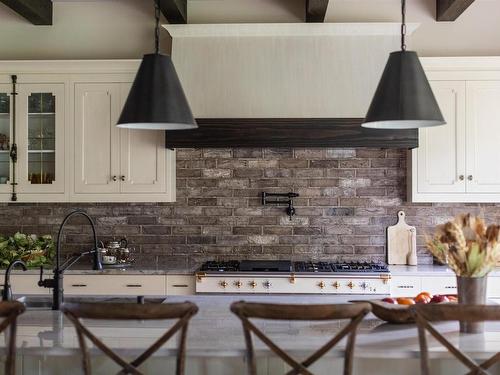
(278, 196)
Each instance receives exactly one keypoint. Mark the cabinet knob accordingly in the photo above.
(114, 178)
(122, 178)
(461, 177)
(470, 178)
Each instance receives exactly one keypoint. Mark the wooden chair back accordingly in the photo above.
(10, 310)
(128, 311)
(247, 310)
(426, 314)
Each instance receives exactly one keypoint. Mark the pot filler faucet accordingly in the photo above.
(56, 283)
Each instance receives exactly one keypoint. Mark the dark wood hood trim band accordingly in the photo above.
(288, 132)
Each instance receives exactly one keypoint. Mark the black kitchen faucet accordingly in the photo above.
(56, 283)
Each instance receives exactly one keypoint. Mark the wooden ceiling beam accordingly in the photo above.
(38, 12)
(175, 11)
(316, 10)
(450, 10)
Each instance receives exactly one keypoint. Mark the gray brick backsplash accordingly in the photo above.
(347, 199)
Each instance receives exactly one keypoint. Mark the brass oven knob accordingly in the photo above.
(336, 285)
(223, 284)
(253, 284)
(322, 284)
(238, 284)
(350, 285)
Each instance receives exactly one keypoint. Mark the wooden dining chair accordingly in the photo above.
(247, 310)
(10, 310)
(425, 314)
(128, 311)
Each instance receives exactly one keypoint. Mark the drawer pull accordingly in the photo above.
(180, 286)
(450, 287)
(79, 285)
(406, 286)
(134, 286)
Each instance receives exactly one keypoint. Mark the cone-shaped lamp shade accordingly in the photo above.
(156, 100)
(403, 99)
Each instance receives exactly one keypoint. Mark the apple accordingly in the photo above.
(390, 300)
(438, 298)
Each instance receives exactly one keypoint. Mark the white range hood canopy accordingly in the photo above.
(301, 70)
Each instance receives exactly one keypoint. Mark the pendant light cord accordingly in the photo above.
(403, 25)
(157, 27)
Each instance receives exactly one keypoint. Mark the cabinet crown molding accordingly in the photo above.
(68, 66)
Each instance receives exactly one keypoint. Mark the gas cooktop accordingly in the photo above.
(288, 266)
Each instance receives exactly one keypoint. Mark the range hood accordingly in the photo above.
(283, 85)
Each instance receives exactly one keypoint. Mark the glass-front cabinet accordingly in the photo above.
(40, 138)
(5, 137)
(39, 135)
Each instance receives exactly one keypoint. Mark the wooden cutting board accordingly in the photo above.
(402, 242)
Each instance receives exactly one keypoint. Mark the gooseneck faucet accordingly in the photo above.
(7, 291)
(56, 283)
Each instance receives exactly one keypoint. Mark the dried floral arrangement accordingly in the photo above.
(466, 245)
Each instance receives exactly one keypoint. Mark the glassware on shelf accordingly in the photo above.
(41, 138)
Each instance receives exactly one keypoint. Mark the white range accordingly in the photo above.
(286, 277)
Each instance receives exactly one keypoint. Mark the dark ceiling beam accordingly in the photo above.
(38, 12)
(316, 10)
(450, 10)
(175, 11)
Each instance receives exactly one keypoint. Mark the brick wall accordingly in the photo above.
(347, 199)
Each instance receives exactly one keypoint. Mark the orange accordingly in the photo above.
(405, 301)
(426, 294)
(423, 297)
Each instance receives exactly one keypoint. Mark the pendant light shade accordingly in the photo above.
(404, 98)
(157, 100)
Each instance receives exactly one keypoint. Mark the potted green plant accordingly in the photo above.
(471, 250)
(34, 250)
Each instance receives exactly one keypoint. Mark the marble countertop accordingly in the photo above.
(216, 332)
(421, 270)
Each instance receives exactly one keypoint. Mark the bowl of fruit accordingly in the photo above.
(397, 310)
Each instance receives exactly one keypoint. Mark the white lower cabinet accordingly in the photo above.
(405, 286)
(410, 286)
(120, 285)
(180, 285)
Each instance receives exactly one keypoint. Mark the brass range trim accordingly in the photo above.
(200, 276)
(385, 278)
(292, 278)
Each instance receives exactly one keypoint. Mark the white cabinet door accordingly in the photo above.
(440, 157)
(97, 142)
(5, 137)
(143, 153)
(40, 138)
(483, 136)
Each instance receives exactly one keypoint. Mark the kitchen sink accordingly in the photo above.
(45, 302)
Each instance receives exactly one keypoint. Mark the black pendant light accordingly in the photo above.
(156, 100)
(404, 98)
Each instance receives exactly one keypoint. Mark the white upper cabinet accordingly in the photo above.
(97, 143)
(456, 162)
(143, 157)
(5, 137)
(483, 137)
(440, 157)
(113, 164)
(68, 145)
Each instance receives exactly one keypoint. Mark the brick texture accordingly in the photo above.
(347, 199)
